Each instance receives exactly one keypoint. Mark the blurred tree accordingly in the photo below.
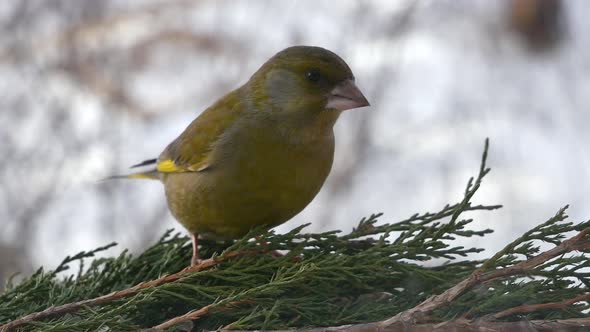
(539, 22)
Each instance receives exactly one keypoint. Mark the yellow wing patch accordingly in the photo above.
(168, 166)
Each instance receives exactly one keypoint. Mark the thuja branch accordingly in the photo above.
(191, 315)
(541, 306)
(117, 295)
(415, 319)
(533, 234)
(578, 242)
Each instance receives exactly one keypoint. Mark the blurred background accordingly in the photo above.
(88, 88)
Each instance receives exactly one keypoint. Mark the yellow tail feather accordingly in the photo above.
(151, 175)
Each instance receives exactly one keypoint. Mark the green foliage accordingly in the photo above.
(557, 279)
(324, 279)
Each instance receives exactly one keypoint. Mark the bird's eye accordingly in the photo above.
(313, 75)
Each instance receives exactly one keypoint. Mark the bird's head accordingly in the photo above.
(306, 79)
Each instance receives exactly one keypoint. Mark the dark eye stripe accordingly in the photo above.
(313, 75)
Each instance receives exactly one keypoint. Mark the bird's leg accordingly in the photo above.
(195, 260)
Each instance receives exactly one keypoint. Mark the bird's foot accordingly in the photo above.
(196, 261)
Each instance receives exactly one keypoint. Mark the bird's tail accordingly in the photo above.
(152, 173)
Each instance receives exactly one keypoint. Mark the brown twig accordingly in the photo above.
(190, 316)
(541, 306)
(577, 242)
(75, 306)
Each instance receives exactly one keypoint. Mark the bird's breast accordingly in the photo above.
(279, 175)
(271, 165)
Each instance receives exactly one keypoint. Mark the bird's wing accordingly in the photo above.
(191, 151)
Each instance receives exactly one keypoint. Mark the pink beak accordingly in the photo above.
(345, 96)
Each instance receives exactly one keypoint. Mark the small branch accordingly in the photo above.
(75, 306)
(577, 242)
(560, 215)
(541, 306)
(190, 316)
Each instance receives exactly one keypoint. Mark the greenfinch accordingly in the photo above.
(261, 153)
